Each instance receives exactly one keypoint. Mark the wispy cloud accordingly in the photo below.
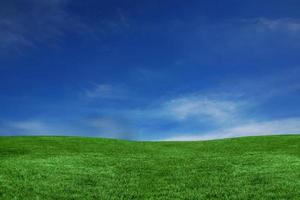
(257, 89)
(227, 111)
(272, 127)
(187, 115)
(28, 127)
(217, 113)
(185, 112)
(291, 25)
(234, 116)
(201, 107)
(41, 126)
(36, 23)
(106, 91)
(263, 25)
(23, 26)
(96, 127)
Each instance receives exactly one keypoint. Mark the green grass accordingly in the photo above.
(90, 168)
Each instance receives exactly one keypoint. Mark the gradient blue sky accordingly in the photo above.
(150, 70)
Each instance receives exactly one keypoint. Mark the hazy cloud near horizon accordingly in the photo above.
(218, 115)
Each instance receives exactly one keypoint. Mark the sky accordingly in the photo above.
(150, 70)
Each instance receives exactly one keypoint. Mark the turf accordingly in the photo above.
(91, 168)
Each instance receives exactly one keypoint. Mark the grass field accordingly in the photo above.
(89, 168)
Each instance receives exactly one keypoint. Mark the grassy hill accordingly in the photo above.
(90, 168)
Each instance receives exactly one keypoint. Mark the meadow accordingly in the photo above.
(264, 167)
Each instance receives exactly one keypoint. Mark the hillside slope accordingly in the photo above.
(90, 168)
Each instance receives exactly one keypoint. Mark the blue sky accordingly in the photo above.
(150, 70)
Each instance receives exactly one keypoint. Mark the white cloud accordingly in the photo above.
(224, 113)
(272, 127)
(202, 108)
